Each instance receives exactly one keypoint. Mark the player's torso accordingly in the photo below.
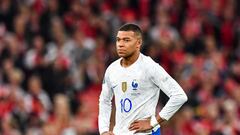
(129, 87)
(135, 95)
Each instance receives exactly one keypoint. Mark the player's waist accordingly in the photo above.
(125, 119)
(125, 131)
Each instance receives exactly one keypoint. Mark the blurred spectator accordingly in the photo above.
(8, 126)
(52, 11)
(8, 10)
(37, 101)
(35, 56)
(61, 118)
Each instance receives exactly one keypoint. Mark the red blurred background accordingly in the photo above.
(53, 54)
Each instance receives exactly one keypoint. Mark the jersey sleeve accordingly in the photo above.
(171, 88)
(105, 105)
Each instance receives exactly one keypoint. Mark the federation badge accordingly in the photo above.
(134, 84)
(124, 86)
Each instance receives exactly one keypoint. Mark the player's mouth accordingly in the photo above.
(121, 51)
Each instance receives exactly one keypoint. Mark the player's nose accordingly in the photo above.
(120, 44)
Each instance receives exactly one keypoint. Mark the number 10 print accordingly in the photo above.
(126, 105)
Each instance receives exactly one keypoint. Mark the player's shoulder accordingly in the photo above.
(113, 65)
(147, 60)
(151, 67)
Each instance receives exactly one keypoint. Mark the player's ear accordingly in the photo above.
(139, 43)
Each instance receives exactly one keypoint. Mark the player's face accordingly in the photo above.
(128, 43)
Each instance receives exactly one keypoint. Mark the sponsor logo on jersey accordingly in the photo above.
(124, 86)
(134, 84)
(114, 86)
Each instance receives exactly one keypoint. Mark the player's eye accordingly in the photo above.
(126, 40)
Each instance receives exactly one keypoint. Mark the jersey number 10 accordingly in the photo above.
(126, 105)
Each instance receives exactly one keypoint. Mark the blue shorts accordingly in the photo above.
(157, 132)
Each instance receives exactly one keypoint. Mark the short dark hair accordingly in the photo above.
(131, 27)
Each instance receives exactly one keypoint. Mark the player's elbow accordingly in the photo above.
(184, 98)
(103, 102)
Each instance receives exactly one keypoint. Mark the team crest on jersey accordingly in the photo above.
(134, 84)
(124, 86)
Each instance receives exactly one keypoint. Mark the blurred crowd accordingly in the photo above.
(53, 54)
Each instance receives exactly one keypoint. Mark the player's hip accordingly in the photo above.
(122, 131)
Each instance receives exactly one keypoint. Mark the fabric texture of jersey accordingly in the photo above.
(136, 90)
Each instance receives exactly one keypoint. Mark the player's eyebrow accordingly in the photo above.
(124, 38)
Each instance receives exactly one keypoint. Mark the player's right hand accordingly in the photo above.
(107, 133)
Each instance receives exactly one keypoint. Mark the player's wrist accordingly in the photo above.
(104, 132)
(107, 133)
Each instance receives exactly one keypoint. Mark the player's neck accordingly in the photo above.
(128, 61)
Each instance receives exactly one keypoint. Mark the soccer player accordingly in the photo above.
(136, 80)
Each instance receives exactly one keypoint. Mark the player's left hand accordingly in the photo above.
(140, 126)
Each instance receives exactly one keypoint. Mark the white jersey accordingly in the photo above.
(136, 90)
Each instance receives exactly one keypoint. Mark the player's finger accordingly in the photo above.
(134, 122)
(139, 130)
(133, 127)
